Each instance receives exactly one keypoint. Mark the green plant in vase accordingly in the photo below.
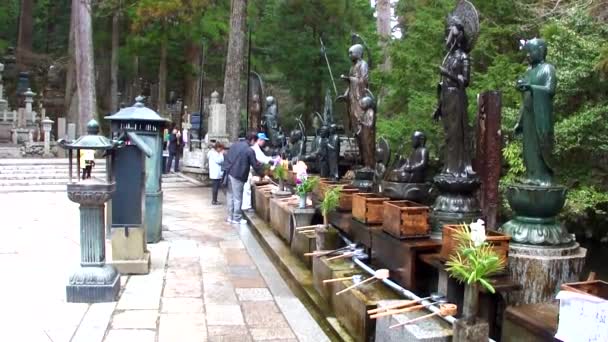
(330, 203)
(326, 239)
(473, 264)
(304, 186)
(280, 174)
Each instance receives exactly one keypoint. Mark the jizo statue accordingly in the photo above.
(413, 169)
(360, 105)
(455, 74)
(537, 87)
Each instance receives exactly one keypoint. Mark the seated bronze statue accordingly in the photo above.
(412, 169)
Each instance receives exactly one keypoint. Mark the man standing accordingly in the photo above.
(261, 158)
(175, 143)
(238, 161)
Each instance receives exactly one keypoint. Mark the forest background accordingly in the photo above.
(162, 42)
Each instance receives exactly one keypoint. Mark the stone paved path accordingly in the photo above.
(210, 281)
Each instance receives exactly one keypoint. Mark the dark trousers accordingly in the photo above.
(215, 188)
(86, 172)
(170, 161)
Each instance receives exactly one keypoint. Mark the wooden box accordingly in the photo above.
(498, 241)
(346, 198)
(596, 288)
(368, 207)
(326, 184)
(406, 219)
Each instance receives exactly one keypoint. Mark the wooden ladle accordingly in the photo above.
(379, 274)
(434, 297)
(444, 310)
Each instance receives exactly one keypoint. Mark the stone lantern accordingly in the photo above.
(95, 281)
(148, 126)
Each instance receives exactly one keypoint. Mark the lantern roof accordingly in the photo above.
(137, 112)
(91, 141)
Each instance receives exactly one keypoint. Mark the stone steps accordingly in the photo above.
(51, 175)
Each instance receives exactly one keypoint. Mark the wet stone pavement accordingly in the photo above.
(210, 281)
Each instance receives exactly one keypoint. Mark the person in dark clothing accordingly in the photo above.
(236, 166)
(176, 141)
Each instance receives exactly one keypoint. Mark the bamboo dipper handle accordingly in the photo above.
(355, 285)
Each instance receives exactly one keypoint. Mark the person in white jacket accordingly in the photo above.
(215, 157)
(262, 159)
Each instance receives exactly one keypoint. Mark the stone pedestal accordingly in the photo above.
(536, 209)
(94, 281)
(46, 126)
(129, 254)
(364, 179)
(433, 329)
(542, 270)
(416, 192)
(467, 332)
(323, 269)
(153, 216)
(217, 120)
(71, 131)
(21, 135)
(456, 202)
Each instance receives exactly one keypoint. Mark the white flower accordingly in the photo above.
(478, 232)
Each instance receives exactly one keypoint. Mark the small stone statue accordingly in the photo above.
(413, 169)
(270, 124)
(358, 79)
(333, 152)
(255, 111)
(297, 143)
(537, 88)
(319, 153)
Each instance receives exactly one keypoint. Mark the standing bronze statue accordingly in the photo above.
(537, 87)
(536, 201)
(359, 102)
(457, 182)
(270, 125)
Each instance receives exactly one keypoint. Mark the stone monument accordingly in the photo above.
(217, 120)
(542, 255)
(457, 182)
(408, 178)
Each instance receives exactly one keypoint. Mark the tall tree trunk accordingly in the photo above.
(162, 76)
(234, 66)
(70, 102)
(383, 26)
(193, 74)
(26, 31)
(85, 64)
(114, 62)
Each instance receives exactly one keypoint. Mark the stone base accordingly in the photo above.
(416, 192)
(129, 254)
(153, 219)
(364, 179)
(323, 269)
(440, 218)
(542, 270)
(465, 332)
(351, 307)
(93, 285)
(433, 329)
(303, 243)
(140, 266)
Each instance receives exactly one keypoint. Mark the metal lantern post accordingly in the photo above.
(148, 126)
(95, 281)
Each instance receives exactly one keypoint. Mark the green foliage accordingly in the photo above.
(473, 264)
(331, 200)
(307, 185)
(280, 172)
